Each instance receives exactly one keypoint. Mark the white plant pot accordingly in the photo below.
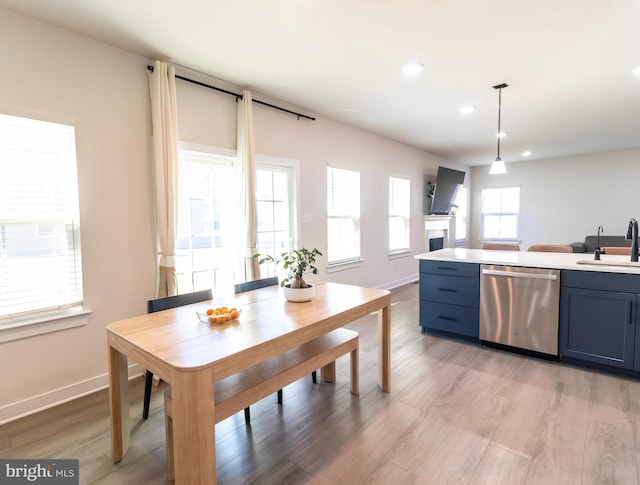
(298, 294)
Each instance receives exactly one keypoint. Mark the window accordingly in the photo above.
(500, 213)
(399, 214)
(275, 196)
(40, 260)
(208, 222)
(343, 215)
(462, 214)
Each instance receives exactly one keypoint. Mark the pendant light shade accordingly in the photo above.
(498, 167)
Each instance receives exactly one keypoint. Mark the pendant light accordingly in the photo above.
(497, 167)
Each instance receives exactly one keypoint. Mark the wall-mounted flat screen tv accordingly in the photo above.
(448, 181)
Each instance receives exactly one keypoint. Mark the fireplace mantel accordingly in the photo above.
(436, 226)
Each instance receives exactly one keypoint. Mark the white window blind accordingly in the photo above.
(343, 215)
(399, 214)
(40, 263)
(500, 213)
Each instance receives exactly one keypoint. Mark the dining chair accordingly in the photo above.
(254, 285)
(550, 248)
(501, 246)
(623, 250)
(166, 303)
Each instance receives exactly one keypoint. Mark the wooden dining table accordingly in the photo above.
(190, 355)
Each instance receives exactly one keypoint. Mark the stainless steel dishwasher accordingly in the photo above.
(519, 307)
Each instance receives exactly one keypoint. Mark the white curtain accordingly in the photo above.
(246, 157)
(164, 120)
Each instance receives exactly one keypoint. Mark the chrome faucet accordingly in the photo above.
(598, 250)
(632, 233)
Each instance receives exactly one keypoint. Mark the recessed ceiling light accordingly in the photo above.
(465, 110)
(636, 71)
(412, 69)
(526, 153)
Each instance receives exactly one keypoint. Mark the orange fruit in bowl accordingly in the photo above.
(209, 311)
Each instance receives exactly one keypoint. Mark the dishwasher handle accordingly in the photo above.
(514, 274)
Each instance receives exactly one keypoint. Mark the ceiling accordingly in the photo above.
(568, 63)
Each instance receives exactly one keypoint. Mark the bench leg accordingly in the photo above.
(355, 372)
(280, 396)
(247, 415)
(328, 372)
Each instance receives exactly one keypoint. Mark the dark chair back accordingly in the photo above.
(255, 284)
(165, 303)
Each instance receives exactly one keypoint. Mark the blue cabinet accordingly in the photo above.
(599, 318)
(450, 297)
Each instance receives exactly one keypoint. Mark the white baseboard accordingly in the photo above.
(398, 283)
(49, 399)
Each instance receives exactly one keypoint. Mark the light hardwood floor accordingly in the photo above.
(457, 413)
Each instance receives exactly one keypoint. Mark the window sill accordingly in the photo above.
(354, 263)
(403, 253)
(45, 323)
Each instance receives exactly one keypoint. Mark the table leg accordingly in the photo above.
(384, 348)
(193, 427)
(118, 404)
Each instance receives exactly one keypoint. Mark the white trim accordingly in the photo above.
(197, 147)
(44, 323)
(401, 282)
(340, 266)
(399, 253)
(19, 409)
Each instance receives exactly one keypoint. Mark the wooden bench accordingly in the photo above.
(240, 390)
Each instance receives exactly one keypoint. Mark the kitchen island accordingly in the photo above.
(597, 309)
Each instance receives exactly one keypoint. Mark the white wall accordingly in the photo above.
(49, 70)
(565, 199)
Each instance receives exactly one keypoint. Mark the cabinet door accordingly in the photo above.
(598, 326)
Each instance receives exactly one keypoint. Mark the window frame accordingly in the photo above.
(222, 157)
(356, 260)
(292, 167)
(53, 318)
(500, 213)
(397, 214)
(462, 218)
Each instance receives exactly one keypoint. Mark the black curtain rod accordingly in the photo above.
(239, 96)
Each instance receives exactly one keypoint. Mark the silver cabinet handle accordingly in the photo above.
(513, 274)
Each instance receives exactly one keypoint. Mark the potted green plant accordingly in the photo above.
(295, 263)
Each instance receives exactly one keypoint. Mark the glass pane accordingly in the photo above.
(265, 215)
(398, 233)
(280, 186)
(264, 186)
(343, 238)
(509, 227)
(491, 227)
(490, 200)
(281, 216)
(510, 199)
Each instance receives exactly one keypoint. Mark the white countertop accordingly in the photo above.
(609, 263)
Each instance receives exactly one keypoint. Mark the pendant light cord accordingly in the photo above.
(499, 113)
(499, 87)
